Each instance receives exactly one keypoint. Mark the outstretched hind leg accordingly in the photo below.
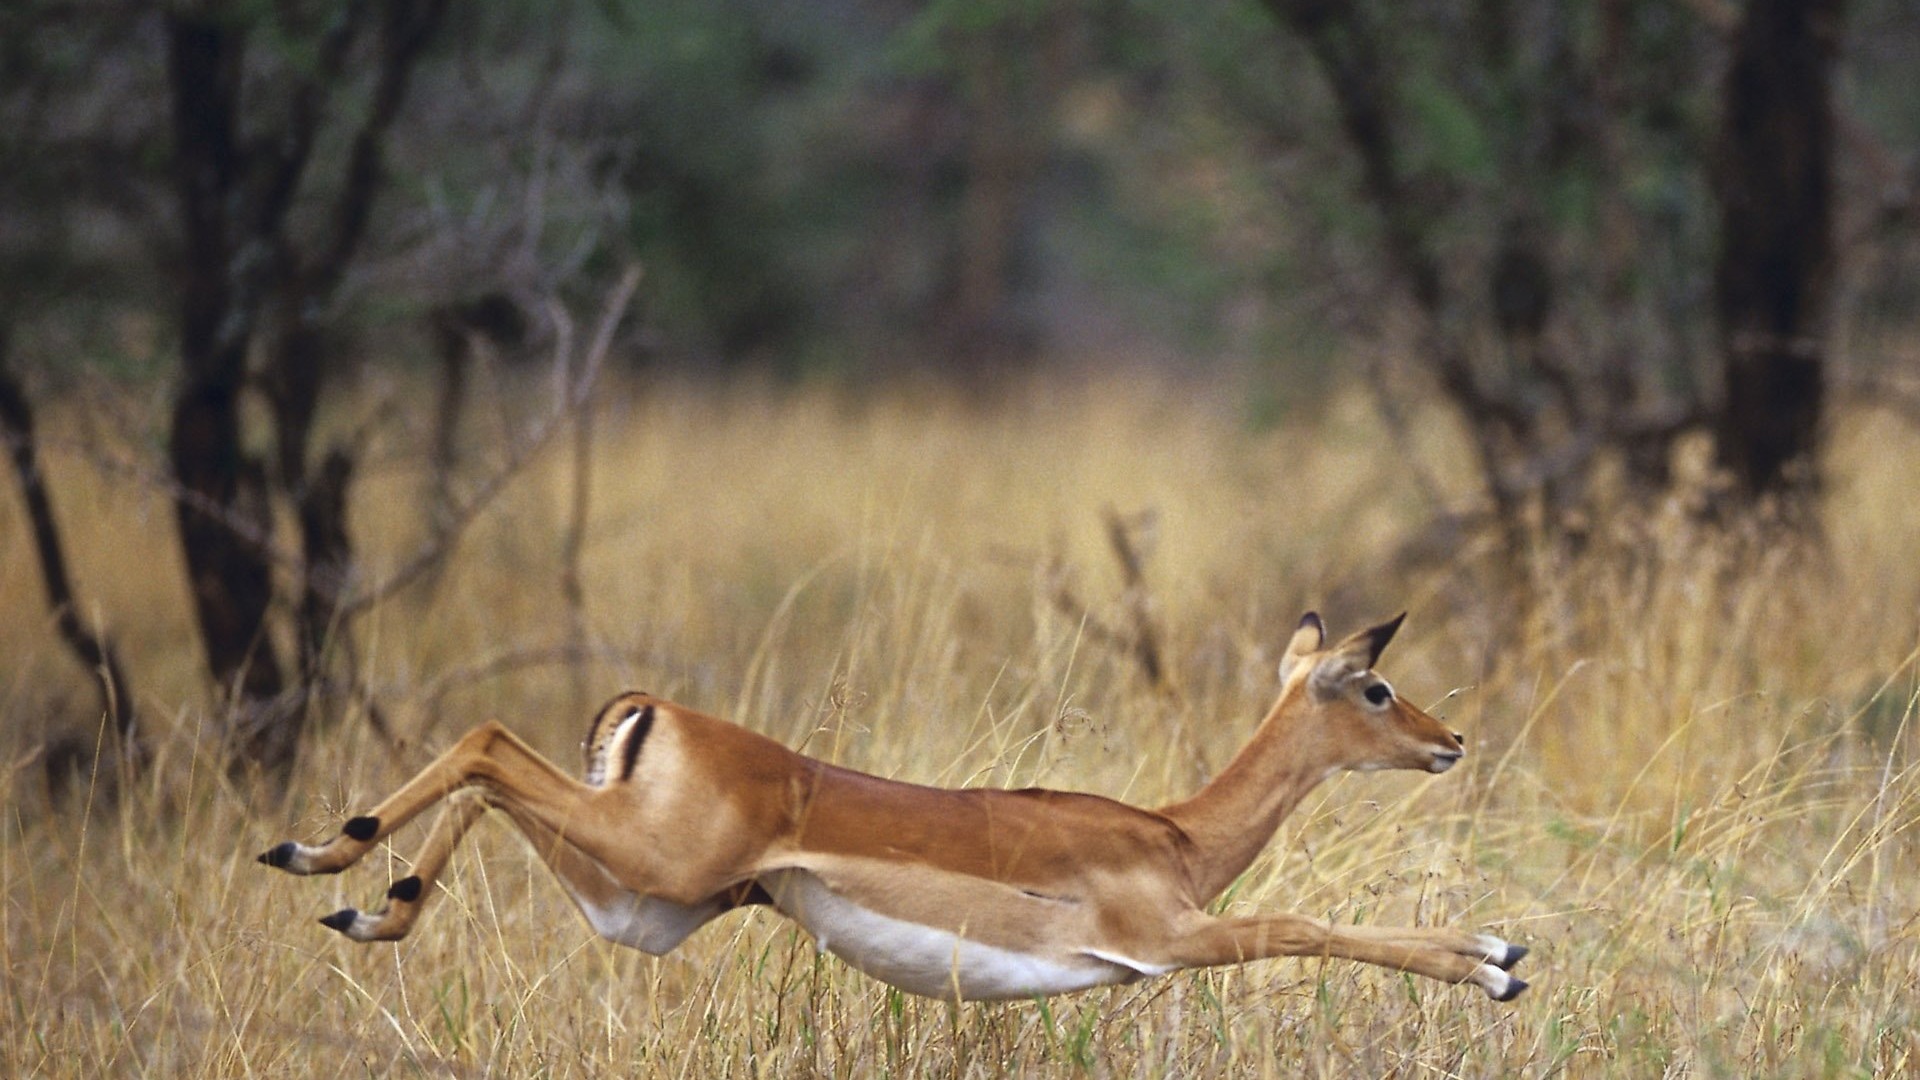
(615, 912)
(407, 896)
(488, 753)
(595, 848)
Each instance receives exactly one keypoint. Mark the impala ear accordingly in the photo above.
(1306, 641)
(1368, 644)
(1336, 669)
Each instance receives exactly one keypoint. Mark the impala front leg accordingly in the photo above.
(1447, 955)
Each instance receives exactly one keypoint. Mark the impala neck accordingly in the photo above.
(1235, 816)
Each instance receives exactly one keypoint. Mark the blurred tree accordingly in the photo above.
(65, 755)
(80, 200)
(73, 198)
(689, 143)
(1608, 217)
(1774, 282)
(998, 71)
(1582, 136)
(250, 278)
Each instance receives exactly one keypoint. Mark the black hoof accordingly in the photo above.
(361, 828)
(1514, 987)
(278, 856)
(1515, 954)
(406, 890)
(343, 918)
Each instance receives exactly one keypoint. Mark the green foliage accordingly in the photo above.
(796, 177)
(1452, 141)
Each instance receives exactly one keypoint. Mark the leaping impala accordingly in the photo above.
(956, 894)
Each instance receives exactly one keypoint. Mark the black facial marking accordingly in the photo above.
(340, 920)
(632, 750)
(406, 890)
(278, 856)
(361, 828)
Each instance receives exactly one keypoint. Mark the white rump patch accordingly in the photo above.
(597, 766)
(930, 961)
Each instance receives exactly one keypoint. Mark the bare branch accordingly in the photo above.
(1380, 381)
(461, 513)
(1140, 638)
(1880, 390)
(408, 26)
(502, 663)
(465, 512)
(572, 586)
(287, 158)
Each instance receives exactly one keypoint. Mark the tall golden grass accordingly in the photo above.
(1690, 787)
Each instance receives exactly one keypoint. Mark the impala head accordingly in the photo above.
(1369, 726)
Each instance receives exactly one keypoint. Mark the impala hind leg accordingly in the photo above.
(488, 754)
(614, 911)
(1447, 955)
(407, 896)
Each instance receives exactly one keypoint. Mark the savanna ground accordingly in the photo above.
(1690, 785)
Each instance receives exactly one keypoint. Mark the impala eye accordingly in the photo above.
(1379, 693)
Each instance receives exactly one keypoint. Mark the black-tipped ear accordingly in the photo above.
(1306, 640)
(1378, 637)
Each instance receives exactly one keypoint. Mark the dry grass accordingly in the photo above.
(1692, 787)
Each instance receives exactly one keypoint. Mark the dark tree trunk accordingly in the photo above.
(242, 271)
(294, 380)
(222, 507)
(454, 347)
(93, 651)
(1774, 281)
(458, 330)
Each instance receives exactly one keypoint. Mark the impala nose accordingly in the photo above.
(1461, 739)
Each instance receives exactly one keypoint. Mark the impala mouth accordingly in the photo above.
(1443, 760)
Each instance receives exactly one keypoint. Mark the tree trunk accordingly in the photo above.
(241, 267)
(222, 506)
(1774, 281)
(93, 650)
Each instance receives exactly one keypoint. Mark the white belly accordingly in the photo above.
(647, 923)
(927, 960)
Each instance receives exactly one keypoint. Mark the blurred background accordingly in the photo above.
(253, 256)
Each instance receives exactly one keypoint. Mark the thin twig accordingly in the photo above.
(500, 663)
(1413, 463)
(518, 456)
(572, 587)
(1140, 638)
